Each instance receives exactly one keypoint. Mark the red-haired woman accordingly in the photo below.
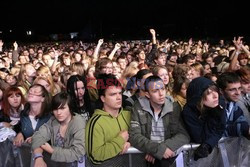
(13, 102)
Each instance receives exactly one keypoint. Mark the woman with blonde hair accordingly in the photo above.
(129, 72)
(46, 83)
(77, 68)
(45, 72)
(26, 77)
(197, 70)
(162, 72)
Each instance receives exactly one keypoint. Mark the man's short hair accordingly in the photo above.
(104, 81)
(100, 64)
(150, 79)
(227, 78)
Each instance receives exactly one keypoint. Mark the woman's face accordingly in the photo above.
(14, 100)
(211, 99)
(1, 94)
(141, 55)
(163, 74)
(63, 114)
(35, 95)
(30, 71)
(45, 84)
(79, 90)
(116, 69)
(11, 80)
(245, 87)
(243, 62)
(78, 57)
(183, 91)
(91, 72)
(195, 73)
(207, 69)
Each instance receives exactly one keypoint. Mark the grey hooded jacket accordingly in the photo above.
(141, 124)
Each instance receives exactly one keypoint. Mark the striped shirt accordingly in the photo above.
(157, 133)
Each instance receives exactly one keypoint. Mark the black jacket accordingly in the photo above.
(207, 127)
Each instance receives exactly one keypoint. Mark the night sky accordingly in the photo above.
(125, 19)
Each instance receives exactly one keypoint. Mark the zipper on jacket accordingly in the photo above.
(118, 124)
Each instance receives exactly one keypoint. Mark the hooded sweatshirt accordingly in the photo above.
(103, 141)
(207, 127)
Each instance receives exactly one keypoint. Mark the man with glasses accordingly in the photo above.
(236, 122)
(103, 66)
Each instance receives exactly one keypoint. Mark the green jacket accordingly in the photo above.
(102, 135)
(141, 124)
(74, 138)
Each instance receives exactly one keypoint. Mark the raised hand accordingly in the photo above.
(152, 31)
(1, 43)
(100, 42)
(190, 41)
(15, 45)
(117, 46)
(238, 43)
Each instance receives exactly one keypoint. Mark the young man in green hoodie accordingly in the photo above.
(107, 130)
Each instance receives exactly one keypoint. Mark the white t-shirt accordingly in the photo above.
(33, 121)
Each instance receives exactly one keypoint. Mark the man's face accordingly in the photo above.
(113, 98)
(46, 59)
(107, 69)
(233, 91)
(156, 92)
(25, 53)
(122, 63)
(245, 87)
(161, 60)
(190, 62)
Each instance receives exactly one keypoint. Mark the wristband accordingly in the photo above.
(37, 155)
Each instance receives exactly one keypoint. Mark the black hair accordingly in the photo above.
(71, 87)
(103, 82)
(150, 79)
(227, 78)
(60, 99)
(140, 75)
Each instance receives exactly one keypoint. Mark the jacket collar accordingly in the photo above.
(167, 108)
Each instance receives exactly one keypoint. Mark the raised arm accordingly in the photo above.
(190, 42)
(151, 55)
(1, 45)
(117, 46)
(234, 56)
(53, 67)
(15, 53)
(97, 49)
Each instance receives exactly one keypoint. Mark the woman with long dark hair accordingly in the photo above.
(77, 89)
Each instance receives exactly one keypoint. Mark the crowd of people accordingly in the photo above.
(77, 100)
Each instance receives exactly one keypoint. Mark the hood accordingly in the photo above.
(196, 89)
(168, 105)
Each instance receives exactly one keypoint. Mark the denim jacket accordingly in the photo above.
(26, 125)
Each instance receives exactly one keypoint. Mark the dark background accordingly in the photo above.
(125, 19)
